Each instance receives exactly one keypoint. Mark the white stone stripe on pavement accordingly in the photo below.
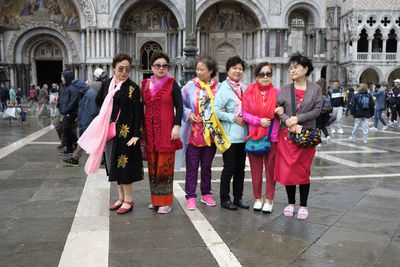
(44, 143)
(23, 141)
(214, 242)
(88, 241)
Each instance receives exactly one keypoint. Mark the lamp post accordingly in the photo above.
(190, 48)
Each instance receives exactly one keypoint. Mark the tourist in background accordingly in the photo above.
(337, 104)
(380, 104)
(326, 110)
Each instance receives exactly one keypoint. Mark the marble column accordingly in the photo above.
(97, 43)
(88, 43)
(83, 46)
(76, 72)
(262, 43)
(90, 73)
(384, 42)
(317, 72)
(19, 77)
(278, 76)
(179, 43)
(107, 43)
(308, 36)
(118, 41)
(112, 43)
(267, 43)
(285, 43)
(355, 48)
(92, 44)
(370, 38)
(2, 56)
(12, 75)
(317, 43)
(198, 39)
(278, 44)
(103, 43)
(258, 47)
(322, 44)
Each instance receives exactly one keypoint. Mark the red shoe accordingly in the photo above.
(116, 206)
(125, 210)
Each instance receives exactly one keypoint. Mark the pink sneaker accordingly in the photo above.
(191, 203)
(207, 199)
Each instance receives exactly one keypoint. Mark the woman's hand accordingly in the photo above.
(292, 129)
(239, 120)
(194, 118)
(175, 132)
(291, 121)
(264, 122)
(132, 141)
(279, 111)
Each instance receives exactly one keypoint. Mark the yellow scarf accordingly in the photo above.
(212, 127)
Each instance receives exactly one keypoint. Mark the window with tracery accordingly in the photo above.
(146, 52)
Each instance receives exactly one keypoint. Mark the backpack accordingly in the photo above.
(363, 102)
(326, 102)
(32, 94)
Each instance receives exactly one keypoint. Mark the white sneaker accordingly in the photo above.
(391, 125)
(328, 139)
(384, 127)
(333, 131)
(365, 141)
(352, 139)
(373, 129)
(267, 208)
(340, 131)
(257, 205)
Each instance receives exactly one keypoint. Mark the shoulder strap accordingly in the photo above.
(271, 125)
(293, 98)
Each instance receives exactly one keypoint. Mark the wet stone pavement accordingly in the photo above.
(51, 214)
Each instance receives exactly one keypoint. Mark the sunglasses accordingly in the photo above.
(265, 74)
(159, 66)
(122, 69)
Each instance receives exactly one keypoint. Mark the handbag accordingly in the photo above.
(308, 137)
(10, 113)
(112, 128)
(261, 146)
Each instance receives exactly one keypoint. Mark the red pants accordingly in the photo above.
(256, 167)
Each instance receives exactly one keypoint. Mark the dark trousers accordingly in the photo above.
(234, 163)
(321, 120)
(194, 156)
(291, 194)
(69, 131)
(395, 110)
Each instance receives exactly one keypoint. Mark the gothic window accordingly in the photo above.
(362, 46)
(391, 44)
(146, 52)
(377, 42)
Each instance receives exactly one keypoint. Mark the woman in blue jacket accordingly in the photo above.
(228, 108)
(380, 99)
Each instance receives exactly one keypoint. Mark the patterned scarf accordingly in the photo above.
(212, 127)
(237, 87)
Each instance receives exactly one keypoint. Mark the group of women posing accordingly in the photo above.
(203, 116)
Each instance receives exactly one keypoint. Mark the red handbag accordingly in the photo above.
(112, 129)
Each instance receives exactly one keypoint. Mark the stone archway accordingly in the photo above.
(394, 74)
(369, 76)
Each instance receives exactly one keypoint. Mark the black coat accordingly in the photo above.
(356, 109)
(126, 161)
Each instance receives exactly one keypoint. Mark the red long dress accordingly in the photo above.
(292, 162)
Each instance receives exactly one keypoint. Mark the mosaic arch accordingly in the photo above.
(145, 16)
(228, 16)
(16, 12)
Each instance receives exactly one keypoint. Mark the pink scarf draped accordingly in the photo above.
(157, 85)
(93, 140)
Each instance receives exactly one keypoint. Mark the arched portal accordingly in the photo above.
(146, 52)
(148, 26)
(369, 76)
(395, 74)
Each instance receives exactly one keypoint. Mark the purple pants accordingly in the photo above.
(194, 156)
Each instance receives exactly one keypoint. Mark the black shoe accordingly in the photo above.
(66, 153)
(60, 146)
(71, 162)
(228, 205)
(241, 204)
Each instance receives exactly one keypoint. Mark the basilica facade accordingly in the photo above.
(350, 41)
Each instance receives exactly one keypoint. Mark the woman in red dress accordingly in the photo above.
(292, 162)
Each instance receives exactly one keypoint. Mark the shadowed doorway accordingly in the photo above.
(48, 72)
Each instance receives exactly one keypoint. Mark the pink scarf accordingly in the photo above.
(239, 93)
(157, 85)
(93, 140)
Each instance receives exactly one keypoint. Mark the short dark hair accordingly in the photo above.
(233, 61)
(258, 68)
(121, 57)
(302, 60)
(210, 64)
(157, 55)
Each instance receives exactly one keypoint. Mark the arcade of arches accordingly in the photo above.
(38, 39)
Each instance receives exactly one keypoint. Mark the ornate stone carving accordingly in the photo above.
(91, 19)
(275, 7)
(351, 74)
(25, 27)
(103, 6)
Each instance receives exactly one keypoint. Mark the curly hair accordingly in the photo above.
(121, 57)
(302, 60)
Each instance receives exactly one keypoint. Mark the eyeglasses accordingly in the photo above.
(159, 66)
(122, 69)
(265, 74)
